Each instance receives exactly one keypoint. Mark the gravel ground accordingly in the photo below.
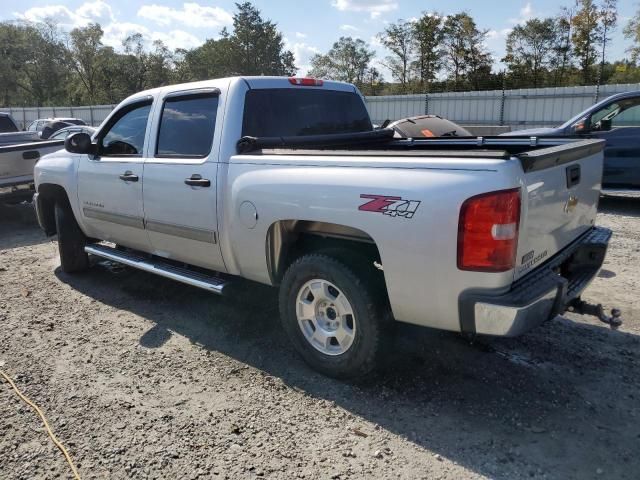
(141, 377)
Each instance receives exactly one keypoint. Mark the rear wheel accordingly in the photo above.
(332, 316)
(71, 240)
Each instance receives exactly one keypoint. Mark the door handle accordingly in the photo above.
(197, 181)
(129, 177)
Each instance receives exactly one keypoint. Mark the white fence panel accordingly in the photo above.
(518, 109)
(524, 108)
(92, 114)
(395, 106)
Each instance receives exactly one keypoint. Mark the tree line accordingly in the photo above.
(41, 65)
(438, 52)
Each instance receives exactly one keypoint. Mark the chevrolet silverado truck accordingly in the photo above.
(283, 181)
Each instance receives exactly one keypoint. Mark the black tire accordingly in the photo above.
(71, 241)
(370, 316)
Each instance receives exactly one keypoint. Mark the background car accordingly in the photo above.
(39, 124)
(423, 126)
(616, 119)
(63, 133)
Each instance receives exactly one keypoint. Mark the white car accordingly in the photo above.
(39, 124)
(283, 181)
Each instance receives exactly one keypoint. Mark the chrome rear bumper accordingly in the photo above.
(541, 294)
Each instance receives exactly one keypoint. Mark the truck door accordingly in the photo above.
(110, 183)
(619, 124)
(180, 179)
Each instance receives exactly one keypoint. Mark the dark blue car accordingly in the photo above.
(617, 120)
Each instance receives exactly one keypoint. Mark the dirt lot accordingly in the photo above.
(145, 378)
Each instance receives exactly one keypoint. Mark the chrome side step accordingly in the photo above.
(157, 266)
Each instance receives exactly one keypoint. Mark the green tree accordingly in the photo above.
(85, 54)
(160, 64)
(466, 57)
(587, 35)
(32, 64)
(632, 32)
(398, 38)
(213, 59)
(348, 60)
(561, 58)
(427, 37)
(609, 20)
(530, 50)
(257, 45)
(135, 62)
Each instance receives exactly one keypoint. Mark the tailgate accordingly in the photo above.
(17, 161)
(560, 200)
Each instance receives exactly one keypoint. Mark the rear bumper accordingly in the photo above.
(17, 191)
(541, 294)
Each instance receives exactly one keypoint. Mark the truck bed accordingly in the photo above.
(534, 153)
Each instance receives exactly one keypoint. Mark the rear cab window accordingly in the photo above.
(283, 112)
(7, 125)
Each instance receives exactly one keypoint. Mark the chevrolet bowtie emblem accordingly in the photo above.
(571, 204)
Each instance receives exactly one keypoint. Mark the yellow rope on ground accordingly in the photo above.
(46, 425)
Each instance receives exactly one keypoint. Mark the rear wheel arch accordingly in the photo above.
(288, 240)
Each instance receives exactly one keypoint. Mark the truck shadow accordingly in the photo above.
(558, 403)
(628, 206)
(19, 226)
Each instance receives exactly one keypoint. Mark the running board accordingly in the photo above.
(157, 266)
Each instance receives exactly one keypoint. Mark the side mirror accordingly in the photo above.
(581, 126)
(605, 124)
(80, 143)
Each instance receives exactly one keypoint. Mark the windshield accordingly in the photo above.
(289, 112)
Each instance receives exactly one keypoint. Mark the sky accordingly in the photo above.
(309, 26)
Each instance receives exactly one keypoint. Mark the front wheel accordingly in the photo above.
(332, 316)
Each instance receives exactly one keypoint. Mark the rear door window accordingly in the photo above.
(187, 125)
(295, 112)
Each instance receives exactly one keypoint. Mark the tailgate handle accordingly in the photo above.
(573, 175)
(31, 155)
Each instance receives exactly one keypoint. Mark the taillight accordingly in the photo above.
(488, 231)
(306, 82)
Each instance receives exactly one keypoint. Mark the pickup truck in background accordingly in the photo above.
(283, 181)
(16, 168)
(615, 119)
(10, 133)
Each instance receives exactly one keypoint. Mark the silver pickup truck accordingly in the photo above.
(16, 168)
(10, 133)
(283, 181)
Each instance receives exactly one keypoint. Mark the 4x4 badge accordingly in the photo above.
(389, 205)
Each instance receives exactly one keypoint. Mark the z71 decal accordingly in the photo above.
(388, 205)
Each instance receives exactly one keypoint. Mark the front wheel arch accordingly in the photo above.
(48, 195)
